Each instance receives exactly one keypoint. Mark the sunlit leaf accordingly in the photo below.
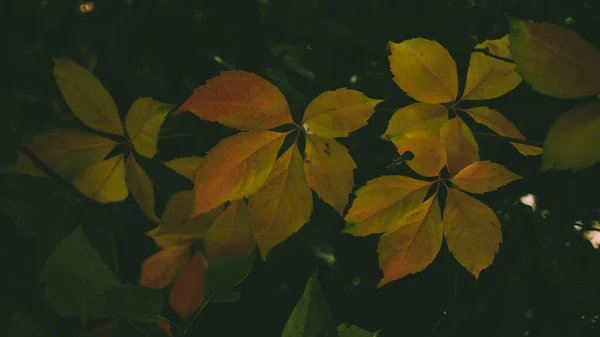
(135, 302)
(413, 243)
(143, 121)
(328, 168)
(461, 147)
(417, 116)
(424, 70)
(337, 113)
(502, 126)
(429, 153)
(187, 293)
(105, 181)
(345, 330)
(382, 202)
(241, 100)
(229, 234)
(87, 98)
(161, 267)
(224, 274)
(25, 165)
(187, 166)
(472, 231)
(141, 187)
(483, 176)
(235, 168)
(573, 140)
(554, 60)
(284, 204)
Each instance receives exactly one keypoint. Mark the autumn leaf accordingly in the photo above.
(143, 121)
(141, 187)
(160, 268)
(489, 77)
(178, 208)
(186, 166)
(337, 113)
(417, 116)
(483, 176)
(554, 60)
(460, 145)
(240, 100)
(502, 126)
(284, 203)
(472, 231)
(382, 202)
(25, 165)
(413, 242)
(229, 234)
(104, 181)
(187, 293)
(329, 170)
(424, 70)
(429, 153)
(87, 98)
(572, 141)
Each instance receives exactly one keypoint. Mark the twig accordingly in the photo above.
(486, 51)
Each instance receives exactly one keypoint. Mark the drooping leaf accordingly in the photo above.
(483, 176)
(328, 168)
(25, 165)
(224, 274)
(135, 302)
(554, 60)
(187, 166)
(240, 100)
(411, 244)
(143, 121)
(337, 113)
(429, 153)
(572, 141)
(382, 202)
(489, 77)
(345, 330)
(105, 181)
(235, 168)
(461, 147)
(87, 98)
(311, 315)
(141, 187)
(76, 278)
(161, 267)
(472, 231)
(187, 294)
(502, 126)
(424, 70)
(284, 204)
(229, 234)
(417, 116)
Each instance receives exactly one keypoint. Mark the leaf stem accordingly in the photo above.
(486, 51)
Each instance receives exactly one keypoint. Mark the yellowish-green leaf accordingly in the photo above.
(472, 231)
(382, 203)
(573, 141)
(502, 126)
(141, 187)
(24, 165)
(483, 176)
(429, 154)
(417, 116)
(489, 77)
(555, 60)
(329, 170)
(284, 204)
(424, 70)
(413, 245)
(229, 234)
(186, 166)
(178, 208)
(104, 181)
(337, 113)
(460, 145)
(235, 168)
(87, 98)
(143, 121)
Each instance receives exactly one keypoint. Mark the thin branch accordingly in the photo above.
(510, 139)
(486, 51)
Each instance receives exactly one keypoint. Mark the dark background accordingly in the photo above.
(544, 281)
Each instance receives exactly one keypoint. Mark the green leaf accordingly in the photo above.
(311, 316)
(224, 274)
(345, 330)
(22, 325)
(135, 302)
(76, 278)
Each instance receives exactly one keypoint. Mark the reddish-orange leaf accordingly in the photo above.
(165, 326)
(417, 116)
(483, 176)
(229, 234)
(460, 145)
(159, 269)
(187, 294)
(429, 154)
(240, 100)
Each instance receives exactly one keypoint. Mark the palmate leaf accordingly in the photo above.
(186, 166)
(415, 117)
(429, 153)
(187, 293)
(160, 268)
(104, 181)
(229, 234)
(483, 176)
(143, 121)
(461, 147)
(141, 187)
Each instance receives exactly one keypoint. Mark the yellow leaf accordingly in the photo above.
(417, 116)
(143, 121)
(104, 181)
(488, 77)
(284, 204)
(235, 168)
(24, 165)
(141, 187)
(472, 231)
(329, 170)
(502, 126)
(573, 140)
(414, 244)
(382, 203)
(483, 176)
(187, 166)
(178, 208)
(337, 113)
(159, 269)
(429, 154)
(240, 100)
(424, 70)
(460, 145)
(87, 98)
(229, 234)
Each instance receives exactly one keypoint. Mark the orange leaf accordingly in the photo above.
(424, 70)
(417, 116)
(240, 100)
(229, 234)
(165, 326)
(429, 154)
(460, 145)
(472, 231)
(187, 166)
(141, 187)
(159, 269)
(187, 293)
(235, 168)
(483, 176)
